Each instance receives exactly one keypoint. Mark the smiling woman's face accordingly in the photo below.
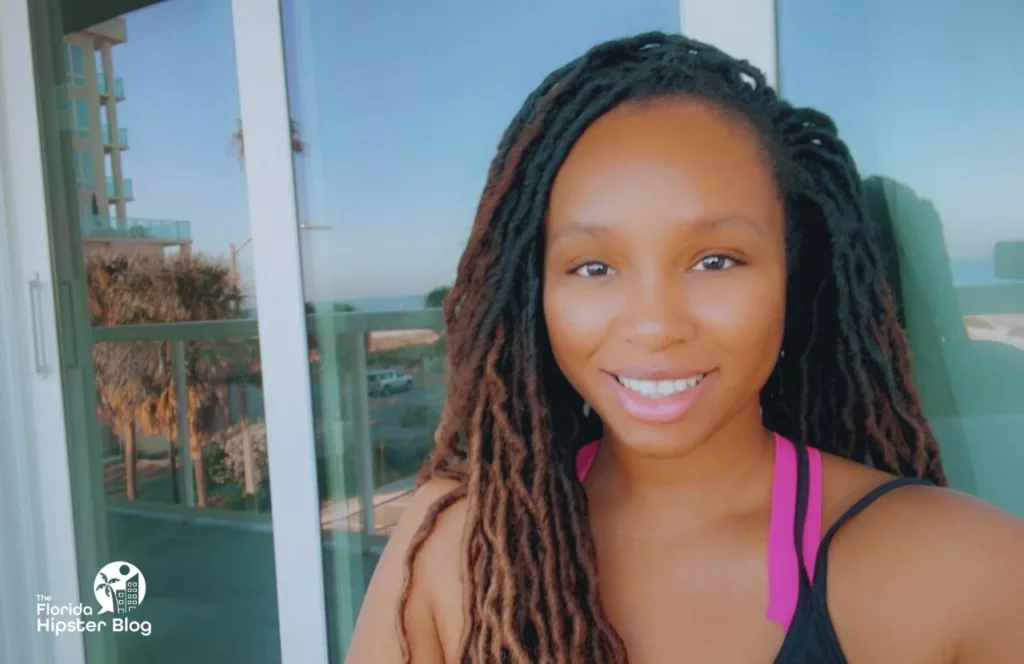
(665, 272)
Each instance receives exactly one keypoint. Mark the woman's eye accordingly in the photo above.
(593, 270)
(715, 262)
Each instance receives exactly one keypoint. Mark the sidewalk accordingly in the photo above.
(389, 502)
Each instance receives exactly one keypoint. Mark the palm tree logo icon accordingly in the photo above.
(106, 585)
(119, 587)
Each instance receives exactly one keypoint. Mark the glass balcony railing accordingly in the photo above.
(122, 137)
(231, 346)
(193, 474)
(103, 83)
(137, 228)
(127, 192)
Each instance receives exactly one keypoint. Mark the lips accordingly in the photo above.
(658, 396)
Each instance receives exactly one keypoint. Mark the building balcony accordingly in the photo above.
(125, 192)
(164, 231)
(363, 488)
(108, 144)
(103, 82)
(367, 437)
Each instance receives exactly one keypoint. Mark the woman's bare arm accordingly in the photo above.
(376, 637)
(994, 634)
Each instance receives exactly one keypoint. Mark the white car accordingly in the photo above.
(387, 382)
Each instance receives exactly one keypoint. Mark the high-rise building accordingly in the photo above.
(98, 141)
(127, 598)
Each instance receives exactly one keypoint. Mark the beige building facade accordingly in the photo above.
(98, 142)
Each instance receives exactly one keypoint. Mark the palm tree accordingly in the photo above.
(116, 291)
(237, 146)
(198, 289)
(135, 380)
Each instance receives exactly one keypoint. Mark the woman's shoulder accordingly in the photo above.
(933, 560)
(915, 510)
(438, 504)
(432, 538)
(431, 528)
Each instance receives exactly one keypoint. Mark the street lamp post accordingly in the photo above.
(234, 257)
(250, 486)
(306, 257)
(235, 249)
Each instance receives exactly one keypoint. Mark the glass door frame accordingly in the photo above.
(284, 350)
(38, 549)
(39, 552)
(40, 555)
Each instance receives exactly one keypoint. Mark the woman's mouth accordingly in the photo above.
(659, 398)
(658, 389)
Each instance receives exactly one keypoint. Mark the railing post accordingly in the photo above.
(364, 443)
(248, 464)
(336, 429)
(181, 392)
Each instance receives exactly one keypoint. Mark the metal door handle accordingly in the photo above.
(36, 288)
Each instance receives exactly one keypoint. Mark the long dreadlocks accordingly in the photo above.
(511, 424)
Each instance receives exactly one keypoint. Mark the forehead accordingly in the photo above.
(683, 158)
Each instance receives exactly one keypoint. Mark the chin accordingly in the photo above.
(658, 441)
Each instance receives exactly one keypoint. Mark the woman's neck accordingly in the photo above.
(730, 471)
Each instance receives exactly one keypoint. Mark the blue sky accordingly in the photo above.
(928, 92)
(402, 104)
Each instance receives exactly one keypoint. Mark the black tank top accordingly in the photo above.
(811, 638)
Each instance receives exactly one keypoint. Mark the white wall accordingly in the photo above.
(742, 28)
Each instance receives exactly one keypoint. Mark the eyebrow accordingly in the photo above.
(702, 226)
(710, 224)
(580, 228)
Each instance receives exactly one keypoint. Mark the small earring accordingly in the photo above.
(586, 409)
(782, 353)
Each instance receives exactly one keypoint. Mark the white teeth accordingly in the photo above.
(657, 389)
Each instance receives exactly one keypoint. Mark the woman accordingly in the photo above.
(670, 278)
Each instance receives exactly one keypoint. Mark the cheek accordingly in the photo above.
(743, 314)
(577, 319)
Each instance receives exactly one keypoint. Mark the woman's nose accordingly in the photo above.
(656, 315)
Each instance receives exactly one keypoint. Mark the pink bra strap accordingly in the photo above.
(585, 459)
(783, 565)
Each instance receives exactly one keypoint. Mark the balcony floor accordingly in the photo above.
(210, 592)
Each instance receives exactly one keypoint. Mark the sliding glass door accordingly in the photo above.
(397, 109)
(163, 185)
(239, 219)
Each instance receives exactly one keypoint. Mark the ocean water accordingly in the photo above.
(978, 272)
(387, 303)
(390, 303)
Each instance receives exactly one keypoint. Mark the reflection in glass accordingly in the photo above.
(396, 143)
(944, 172)
(171, 474)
